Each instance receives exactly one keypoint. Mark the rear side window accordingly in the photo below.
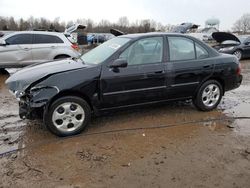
(181, 48)
(20, 39)
(201, 53)
(45, 39)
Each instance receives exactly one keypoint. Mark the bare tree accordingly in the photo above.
(123, 22)
(23, 25)
(3, 23)
(12, 25)
(243, 24)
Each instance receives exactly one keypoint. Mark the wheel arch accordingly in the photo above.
(218, 79)
(70, 93)
(62, 55)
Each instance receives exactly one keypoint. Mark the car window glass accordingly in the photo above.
(19, 39)
(44, 39)
(201, 52)
(104, 51)
(181, 48)
(144, 51)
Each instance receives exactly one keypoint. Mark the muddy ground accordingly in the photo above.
(174, 146)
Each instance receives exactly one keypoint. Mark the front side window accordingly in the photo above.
(46, 39)
(144, 51)
(181, 48)
(19, 39)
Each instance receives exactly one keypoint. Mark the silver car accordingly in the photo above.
(23, 48)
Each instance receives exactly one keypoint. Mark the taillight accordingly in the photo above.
(75, 47)
(238, 71)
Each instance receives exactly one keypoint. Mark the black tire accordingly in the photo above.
(73, 100)
(238, 54)
(61, 57)
(198, 100)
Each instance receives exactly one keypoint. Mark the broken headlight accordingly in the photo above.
(17, 94)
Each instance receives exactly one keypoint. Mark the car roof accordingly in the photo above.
(140, 35)
(136, 36)
(37, 32)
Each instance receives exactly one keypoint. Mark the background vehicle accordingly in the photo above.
(23, 48)
(126, 71)
(231, 44)
(99, 37)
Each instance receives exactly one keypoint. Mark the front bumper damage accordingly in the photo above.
(28, 110)
(33, 104)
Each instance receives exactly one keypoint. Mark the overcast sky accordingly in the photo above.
(164, 11)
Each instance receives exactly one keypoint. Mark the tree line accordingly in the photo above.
(123, 24)
(242, 25)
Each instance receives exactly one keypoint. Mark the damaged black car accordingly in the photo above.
(126, 71)
(231, 44)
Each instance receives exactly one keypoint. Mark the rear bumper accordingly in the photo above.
(234, 83)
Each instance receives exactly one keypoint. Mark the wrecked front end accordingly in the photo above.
(34, 86)
(33, 102)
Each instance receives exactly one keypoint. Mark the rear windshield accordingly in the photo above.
(104, 51)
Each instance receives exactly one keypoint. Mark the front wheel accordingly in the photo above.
(68, 116)
(208, 96)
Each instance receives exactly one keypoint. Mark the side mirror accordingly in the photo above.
(119, 63)
(2, 42)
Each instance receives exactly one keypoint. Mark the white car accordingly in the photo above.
(24, 48)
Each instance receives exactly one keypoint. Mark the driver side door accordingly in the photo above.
(142, 81)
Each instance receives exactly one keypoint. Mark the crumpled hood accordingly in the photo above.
(223, 36)
(22, 79)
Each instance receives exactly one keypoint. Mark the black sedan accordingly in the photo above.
(231, 44)
(126, 71)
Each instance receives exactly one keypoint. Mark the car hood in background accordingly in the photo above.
(184, 27)
(223, 36)
(73, 28)
(116, 32)
(22, 79)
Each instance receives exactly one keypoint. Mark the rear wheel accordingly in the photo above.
(238, 54)
(68, 116)
(208, 96)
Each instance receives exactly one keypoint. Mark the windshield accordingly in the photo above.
(104, 51)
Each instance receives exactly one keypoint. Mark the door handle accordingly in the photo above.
(155, 74)
(159, 72)
(207, 66)
(26, 49)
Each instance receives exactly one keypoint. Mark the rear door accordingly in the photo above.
(44, 45)
(188, 65)
(17, 51)
(142, 81)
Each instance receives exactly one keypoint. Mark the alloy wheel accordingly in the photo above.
(211, 95)
(68, 117)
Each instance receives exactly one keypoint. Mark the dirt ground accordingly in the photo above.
(174, 146)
